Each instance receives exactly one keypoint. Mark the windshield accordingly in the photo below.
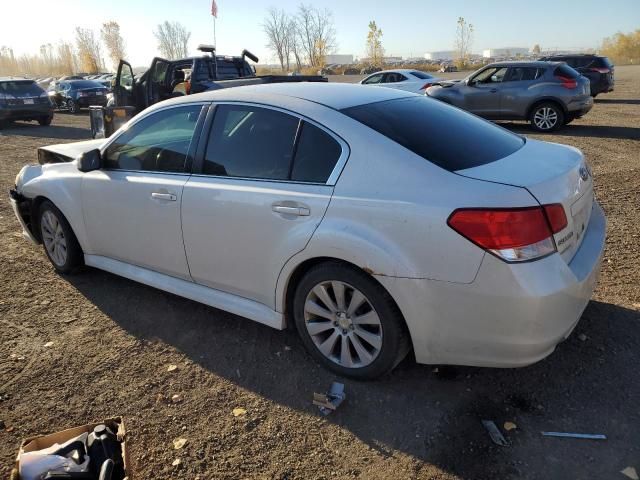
(444, 135)
(421, 75)
(20, 88)
(75, 85)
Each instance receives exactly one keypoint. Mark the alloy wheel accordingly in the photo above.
(53, 238)
(545, 118)
(343, 324)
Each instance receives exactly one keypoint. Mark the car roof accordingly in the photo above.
(16, 79)
(521, 63)
(333, 95)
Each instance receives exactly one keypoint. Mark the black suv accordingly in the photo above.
(22, 99)
(599, 70)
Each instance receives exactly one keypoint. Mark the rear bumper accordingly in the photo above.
(32, 112)
(512, 315)
(89, 101)
(580, 107)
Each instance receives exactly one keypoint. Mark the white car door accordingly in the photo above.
(131, 206)
(257, 195)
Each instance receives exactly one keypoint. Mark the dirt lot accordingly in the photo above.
(113, 341)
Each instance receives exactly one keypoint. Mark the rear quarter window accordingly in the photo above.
(444, 135)
(20, 88)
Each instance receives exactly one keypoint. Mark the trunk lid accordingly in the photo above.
(552, 173)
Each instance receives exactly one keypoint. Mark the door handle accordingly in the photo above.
(170, 197)
(288, 210)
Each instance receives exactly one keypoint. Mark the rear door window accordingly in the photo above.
(250, 142)
(441, 134)
(521, 74)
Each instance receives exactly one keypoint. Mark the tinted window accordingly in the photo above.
(394, 77)
(158, 143)
(316, 155)
(20, 88)
(250, 142)
(421, 75)
(603, 62)
(565, 71)
(519, 74)
(444, 135)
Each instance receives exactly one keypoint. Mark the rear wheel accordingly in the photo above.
(45, 121)
(546, 117)
(59, 241)
(348, 322)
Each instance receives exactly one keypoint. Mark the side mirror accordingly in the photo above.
(90, 161)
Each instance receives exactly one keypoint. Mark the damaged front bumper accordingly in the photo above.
(21, 207)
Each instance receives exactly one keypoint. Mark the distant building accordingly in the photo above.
(443, 55)
(504, 52)
(339, 58)
(384, 60)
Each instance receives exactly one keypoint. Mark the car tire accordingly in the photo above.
(45, 121)
(546, 117)
(72, 106)
(59, 242)
(337, 337)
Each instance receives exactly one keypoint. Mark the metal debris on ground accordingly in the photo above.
(587, 436)
(494, 433)
(328, 402)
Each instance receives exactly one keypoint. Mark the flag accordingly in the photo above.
(214, 8)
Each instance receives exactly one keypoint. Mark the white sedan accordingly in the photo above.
(408, 80)
(374, 220)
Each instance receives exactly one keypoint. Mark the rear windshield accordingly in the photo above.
(603, 62)
(421, 75)
(440, 133)
(85, 84)
(565, 71)
(20, 88)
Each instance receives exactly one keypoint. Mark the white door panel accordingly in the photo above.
(239, 233)
(134, 217)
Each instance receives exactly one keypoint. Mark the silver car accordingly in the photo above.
(373, 220)
(547, 94)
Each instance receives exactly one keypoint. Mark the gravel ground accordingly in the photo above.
(113, 341)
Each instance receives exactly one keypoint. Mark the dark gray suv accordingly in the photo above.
(547, 94)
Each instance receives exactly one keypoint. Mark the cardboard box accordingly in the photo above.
(116, 424)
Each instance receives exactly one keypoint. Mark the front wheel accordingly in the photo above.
(59, 241)
(348, 322)
(72, 106)
(546, 117)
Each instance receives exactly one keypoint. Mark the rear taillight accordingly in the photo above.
(426, 85)
(600, 70)
(512, 234)
(567, 82)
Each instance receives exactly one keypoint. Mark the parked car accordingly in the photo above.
(22, 99)
(370, 69)
(409, 80)
(598, 69)
(547, 94)
(453, 236)
(448, 68)
(73, 95)
(351, 71)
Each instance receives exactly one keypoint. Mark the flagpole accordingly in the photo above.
(215, 42)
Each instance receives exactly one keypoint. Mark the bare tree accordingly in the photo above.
(375, 52)
(293, 42)
(88, 50)
(464, 40)
(173, 40)
(536, 49)
(113, 41)
(316, 33)
(276, 27)
(67, 61)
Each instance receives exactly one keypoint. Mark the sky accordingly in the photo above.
(410, 27)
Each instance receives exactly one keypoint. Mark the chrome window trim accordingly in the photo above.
(337, 169)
